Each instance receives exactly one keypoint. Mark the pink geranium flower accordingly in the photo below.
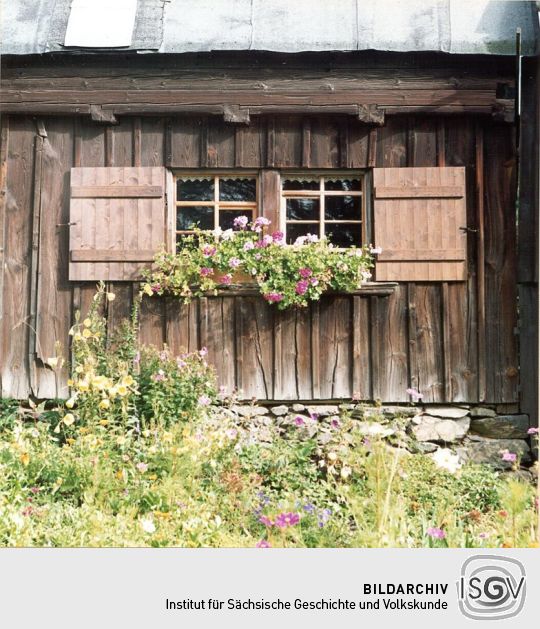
(240, 222)
(273, 297)
(305, 273)
(205, 271)
(208, 251)
(301, 287)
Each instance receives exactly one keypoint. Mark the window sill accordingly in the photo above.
(369, 289)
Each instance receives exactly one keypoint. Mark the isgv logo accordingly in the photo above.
(491, 587)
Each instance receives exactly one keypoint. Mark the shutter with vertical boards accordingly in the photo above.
(118, 221)
(418, 215)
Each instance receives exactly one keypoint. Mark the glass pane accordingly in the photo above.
(226, 217)
(309, 183)
(343, 185)
(303, 209)
(199, 189)
(344, 235)
(237, 189)
(198, 216)
(293, 231)
(342, 208)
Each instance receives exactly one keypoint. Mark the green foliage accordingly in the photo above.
(288, 276)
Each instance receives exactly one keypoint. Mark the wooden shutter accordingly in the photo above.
(418, 213)
(117, 221)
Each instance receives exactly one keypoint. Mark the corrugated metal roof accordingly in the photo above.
(176, 26)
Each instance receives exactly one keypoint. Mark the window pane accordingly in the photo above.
(199, 216)
(343, 185)
(342, 208)
(237, 189)
(226, 217)
(199, 189)
(293, 231)
(303, 209)
(309, 183)
(344, 235)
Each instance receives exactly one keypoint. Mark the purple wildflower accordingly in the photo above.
(266, 520)
(204, 400)
(159, 376)
(299, 420)
(309, 507)
(436, 533)
(324, 516)
(335, 423)
(416, 395)
(262, 543)
(142, 467)
(509, 456)
(532, 431)
(283, 520)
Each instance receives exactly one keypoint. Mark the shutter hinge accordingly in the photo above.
(468, 229)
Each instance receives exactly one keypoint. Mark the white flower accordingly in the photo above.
(375, 250)
(300, 240)
(345, 472)
(228, 234)
(217, 232)
(446, 459)
(148, 525)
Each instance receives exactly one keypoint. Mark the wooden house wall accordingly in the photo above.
(455, 342)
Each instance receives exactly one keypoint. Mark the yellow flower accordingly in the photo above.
(86, 333)
(78, 336)
(87, 322)
(152, 476)
(70, 383)
(113, 392)
(104, 404)
(111, 296)
(70, 441)
(122, 390)
(103, 422)
(127, 381)
(148, 290)
(79, 369)
(83, 385)
(69, 418)
(71, 402)
(25, 458)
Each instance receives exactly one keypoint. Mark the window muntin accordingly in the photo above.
(209, 201)
(324, 205)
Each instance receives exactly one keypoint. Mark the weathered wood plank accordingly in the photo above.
(361, 351)
(336, 347)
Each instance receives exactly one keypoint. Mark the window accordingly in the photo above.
(212, 201)
(324, 205)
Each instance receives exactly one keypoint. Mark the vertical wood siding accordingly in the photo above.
(424, 335)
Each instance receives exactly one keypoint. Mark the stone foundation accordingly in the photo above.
(478, 434)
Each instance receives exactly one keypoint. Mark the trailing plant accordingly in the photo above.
(286, 275)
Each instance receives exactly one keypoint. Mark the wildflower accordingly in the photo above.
(234, 263)
(324, 516)
(86, 333)
(206, 271)
(532, 431)
(262, 543)
(508, 456)
(68, 419)
(208, 251)
(435, 533)
(226, 280)
(345, 472)
(335, 423)
(71, 402)
(240, 222)
(87, 323)
(299, 421)
(128, 380)
(142, 467)
(232, 433)
(180, 363)
(159, 376)
(111, 296)
(375, 250)
(447, 460)
(273, 297)
(483, 535)
(25, 458)
(266, 520)
(203, 352)
(283, 520)
(148, 525)
(305, 273)
(502, 513)
(301, 287)
(249, 245)
(35, 490)
(122, 390)
(278, 237)
(204, 400)
(416, 395)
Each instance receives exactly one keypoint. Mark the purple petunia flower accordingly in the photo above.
(301, 287)
(435, 533)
